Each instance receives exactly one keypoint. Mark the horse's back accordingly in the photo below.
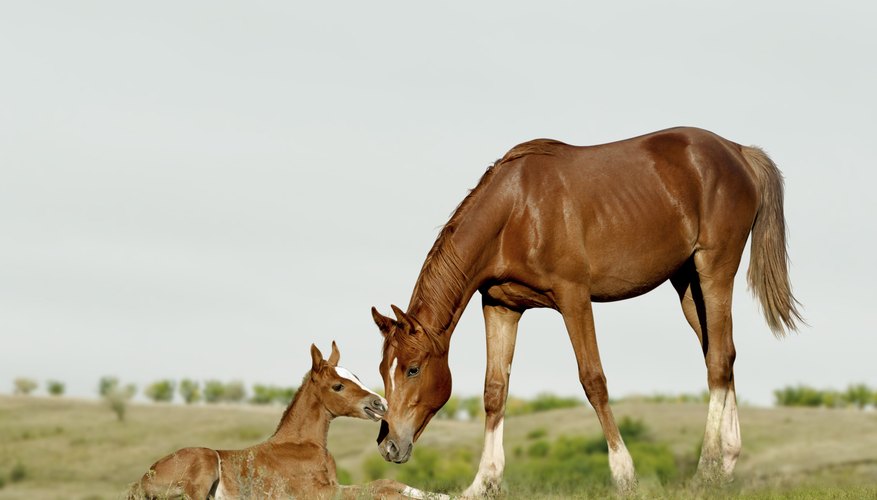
(625, 215)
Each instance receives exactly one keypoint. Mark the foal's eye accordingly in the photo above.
(337, 387)
(412, 371)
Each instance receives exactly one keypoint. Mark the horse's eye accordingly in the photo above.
(413, 371)
(337, 387)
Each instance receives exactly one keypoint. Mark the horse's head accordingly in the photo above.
(417, 382)
(341, 392)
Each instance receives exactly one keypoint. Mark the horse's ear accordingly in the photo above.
(384, 323)
(403, 319)
(335, 356)
(316, 359)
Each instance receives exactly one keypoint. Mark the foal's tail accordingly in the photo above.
(768, 265)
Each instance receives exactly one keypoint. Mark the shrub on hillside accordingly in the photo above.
(473, 406)
(18, 473)
(116, 396)
(858, 395)
(660, 397)
(234, 392)
(161, 391)
(106, 383)
(798, 396)
(439, 471)
(375, 467)
(450, 409)
(190, 391)
(429, 469)
(55, 387)
(266, 394)
(834, 399)
(231, 392)
(285, 395)
(542, 402)
(547, 401)
(214, 391)
(572, 461)
(24, 386)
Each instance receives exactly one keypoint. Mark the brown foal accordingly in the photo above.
(292, 462)
(559, 226)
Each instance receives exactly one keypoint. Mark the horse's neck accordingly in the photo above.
(306, 420)
(451, 274)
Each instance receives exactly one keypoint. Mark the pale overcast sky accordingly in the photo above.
(202, 189)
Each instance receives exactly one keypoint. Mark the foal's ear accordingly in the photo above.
(384, 323)
(316, 359)
(335, 356)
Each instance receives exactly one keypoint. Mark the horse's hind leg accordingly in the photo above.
(705, 293)
(575, 304)
(189, 472)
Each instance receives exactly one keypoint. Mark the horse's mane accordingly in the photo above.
(305, 386)
(442, 279)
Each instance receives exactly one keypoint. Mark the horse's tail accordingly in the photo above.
(768, 264)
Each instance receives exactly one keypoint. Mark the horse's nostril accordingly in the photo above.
(392, 449)
(377, 403)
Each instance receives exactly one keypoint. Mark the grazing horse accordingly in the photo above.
(292, 462)
(560, 226)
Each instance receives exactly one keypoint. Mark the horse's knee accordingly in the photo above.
(494, 396)
(594, 384)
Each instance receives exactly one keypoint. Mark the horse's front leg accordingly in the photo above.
(501, 325)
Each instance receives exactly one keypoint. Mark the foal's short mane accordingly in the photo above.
(442, 279)
(305, 385)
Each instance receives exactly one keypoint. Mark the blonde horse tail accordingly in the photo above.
(769, 263)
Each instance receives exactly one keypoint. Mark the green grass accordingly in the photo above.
(73, 449)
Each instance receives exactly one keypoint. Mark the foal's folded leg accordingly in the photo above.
(388, 489)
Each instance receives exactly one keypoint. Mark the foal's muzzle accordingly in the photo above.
(376, 408)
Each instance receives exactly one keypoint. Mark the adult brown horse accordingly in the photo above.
(560, 226)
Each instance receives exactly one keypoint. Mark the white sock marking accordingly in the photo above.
(731, 442)
(711, 453)
(492, 461)
(621, 466)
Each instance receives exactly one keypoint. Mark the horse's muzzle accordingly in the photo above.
(392, 450)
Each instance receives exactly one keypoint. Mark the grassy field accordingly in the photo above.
(72, 449)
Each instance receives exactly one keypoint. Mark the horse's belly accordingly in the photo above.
(636, 269)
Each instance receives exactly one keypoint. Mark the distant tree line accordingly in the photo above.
(25, 386)
(215, 391)
(856, 395)
(162, 391)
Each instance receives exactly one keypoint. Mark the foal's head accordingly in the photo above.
(417, 382)
(340, 391)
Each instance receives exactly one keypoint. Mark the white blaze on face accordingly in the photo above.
(393, 374)
(345, 373)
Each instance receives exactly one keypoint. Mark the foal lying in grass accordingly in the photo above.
(293, 462)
